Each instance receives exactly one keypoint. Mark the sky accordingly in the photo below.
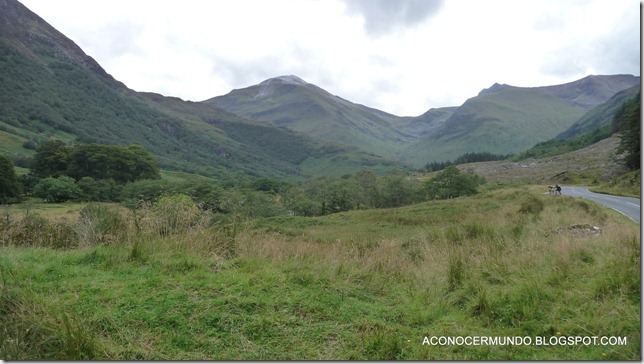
(400, 56)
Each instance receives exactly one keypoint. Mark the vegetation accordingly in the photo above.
(560, 146)
(628, 122)
(628, 184)
(10, 188)
(51, 159)
(169, 281)
(59, 189)
(451, 183)
(598, 124)
(464, 158)
(121, 164)
(105, 257)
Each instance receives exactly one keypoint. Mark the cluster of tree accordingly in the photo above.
(90, 172)
(10, 187)
(464, 158)
(627, 122)
(269, 197)
(122, 164)
(366, 190)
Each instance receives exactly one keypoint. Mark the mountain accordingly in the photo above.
(426, 123)
(282, 127)
(303, 107)
(592, 90)
(594, 126)
(501, 119)
(49, 88)
(601, 115)
(505, 119)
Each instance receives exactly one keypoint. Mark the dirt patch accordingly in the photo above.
(577, 229)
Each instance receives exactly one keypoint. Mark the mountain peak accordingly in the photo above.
(266, 88)
(494, 88)
(287, 79)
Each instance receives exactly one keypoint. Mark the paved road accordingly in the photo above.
(626, 205)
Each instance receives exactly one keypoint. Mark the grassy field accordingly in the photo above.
(171, 282)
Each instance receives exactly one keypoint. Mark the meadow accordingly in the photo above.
(169, 281)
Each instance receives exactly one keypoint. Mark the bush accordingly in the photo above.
(99, 190)
(451, 183)
(37, 231)
(146, 190)
(175, 214)
(59, 189)
(99, 224)
(531, 205)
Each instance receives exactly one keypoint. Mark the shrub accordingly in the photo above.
(35, 230)
(99, 190)
(59, 189)
(451, 182)
(175, 214)
(147, 190)
(531, 205)
(99, 224)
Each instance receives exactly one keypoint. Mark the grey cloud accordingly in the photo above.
(615, 52)
(113, 39)
(382, 16)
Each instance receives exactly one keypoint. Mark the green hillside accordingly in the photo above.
(426, 123)
(601, 115)
(282, 127)
(501, 122)
(291, 102)
(49, 88)
(595, 125)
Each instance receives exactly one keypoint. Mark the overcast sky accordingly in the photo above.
(399, 56)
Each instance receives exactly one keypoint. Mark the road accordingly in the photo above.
(628, 206)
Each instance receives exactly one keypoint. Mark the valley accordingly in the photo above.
(282, 222)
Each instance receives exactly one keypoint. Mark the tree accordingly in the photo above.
(395, 190)
(627, 119)
(58, 189)
(367, 180)
(10, 189)
(451, 182)
(122, 164)
(99, 190)
(145, 166)
(51, 159)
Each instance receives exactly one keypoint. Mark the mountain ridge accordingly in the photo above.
(49, 88)
(501, 119)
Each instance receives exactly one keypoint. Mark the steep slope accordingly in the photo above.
(425, 124)
(291, 102)
(504, 119)
(601, 115)
(50, 88)
(595, 125)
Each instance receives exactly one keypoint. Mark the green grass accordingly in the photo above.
(628, 184)
(364, 285)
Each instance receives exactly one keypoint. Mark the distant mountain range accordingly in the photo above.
(502, 119)
(284, 126)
